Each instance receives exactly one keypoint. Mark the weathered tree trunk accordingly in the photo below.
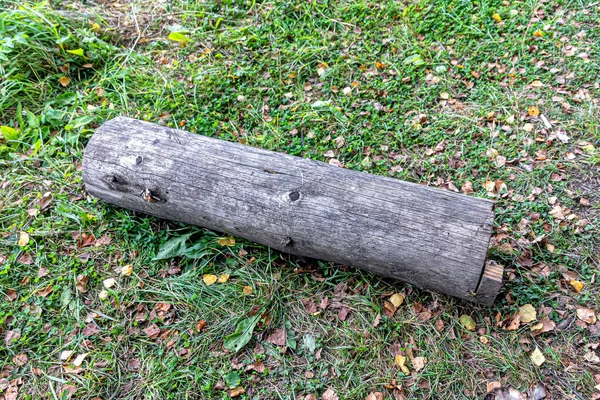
(434, 239)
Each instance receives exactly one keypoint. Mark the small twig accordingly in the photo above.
(575, 392)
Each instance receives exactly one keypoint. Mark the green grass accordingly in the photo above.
(272, 75)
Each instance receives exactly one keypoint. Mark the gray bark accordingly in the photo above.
(435, 239)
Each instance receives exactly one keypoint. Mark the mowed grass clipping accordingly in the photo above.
(492, 99)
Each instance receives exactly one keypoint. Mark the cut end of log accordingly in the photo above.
(490, 283)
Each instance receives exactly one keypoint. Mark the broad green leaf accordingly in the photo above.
(415, 59)
(242, 335)
(77, 52)
(9, 133)
(173, 247)
(179, 37)
(232, 379)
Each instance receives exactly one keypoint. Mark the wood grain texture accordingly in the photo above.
(435, 239)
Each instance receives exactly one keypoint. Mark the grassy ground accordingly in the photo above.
(497, 99)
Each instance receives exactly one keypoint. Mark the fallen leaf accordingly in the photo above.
(527, 313)
(103, 294)
(109, 282)
(330, 395)
(23, 239)
(79, 359)
(152, 331)
(397, 299)
(496, 17)
(81, 283)
(200, 325)
(127, 270)
(11, 295)
(66, 354)
(375, 396)
(226, 241)
(537, 357)
(400, 363)
(85, 240)
(45, 291)
(247, 290)
(577, 285)
(347, 91)
(278, 337)
(467, 188)
(343, 313)
(544, 325)
(209, 279)
(236, 391)
(538, 33)
(533, 111)
(309, 306)
(64, 80)
(592, 357)
(587, 315)
(418, 363)
(223, 278)
(11, 337)
(21, 359)
(467, 322)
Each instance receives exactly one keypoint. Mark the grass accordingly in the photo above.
(439, 93)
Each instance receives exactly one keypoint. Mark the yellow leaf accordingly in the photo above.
(577, 285)
(226, 241)
(397, 299)
(496, 17)
(527, 313)
(533, 111)
(538, 33)
(64, 80)
(247, 290)
(537, 357)
(23, 239)
(467, 322)
(95, 27)
(223, 278)
(209, 279)
(400, 361)
(127, 270)
(588, 148)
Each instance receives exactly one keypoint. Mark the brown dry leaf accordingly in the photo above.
(44, 202)
(45, 291)
(418, 363)
(377, 321)
(23, 239)
(236, 391)
(467, 188)
(21, 359)
(544, 325)
(309, 306)
(527, 313)
(209, 279)
(533, 111)
(226, 241)
(11, 295)
(375, 396)
(537, 357)
(247, 290)
(514, 323)
(577, 285)
(200, 325)
(81, 283)
(330, 395)
(86, 240)
(343, 313)
(587, 315)
(42, 272)
(12, 336)
(278, 337)
(64, 80)
(127, 270)
(223, 278)
(152, 331)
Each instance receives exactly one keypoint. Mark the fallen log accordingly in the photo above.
(435, 239)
